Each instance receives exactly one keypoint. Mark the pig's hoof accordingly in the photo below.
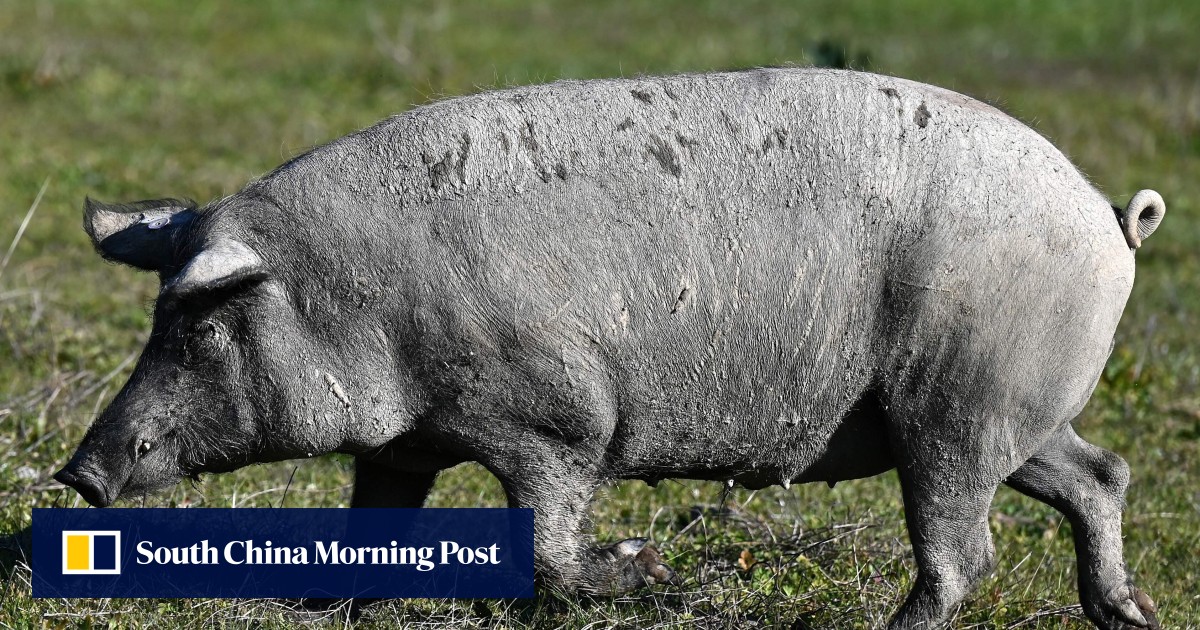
(1130, 607)
(634, 563)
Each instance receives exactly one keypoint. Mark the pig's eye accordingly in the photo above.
(204, 343)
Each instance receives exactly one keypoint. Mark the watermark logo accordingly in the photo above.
(274, 552)
(91, 552)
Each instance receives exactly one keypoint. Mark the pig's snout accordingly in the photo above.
(86, 483)
(102, 467)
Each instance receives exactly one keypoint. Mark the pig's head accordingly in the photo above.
(210, 391)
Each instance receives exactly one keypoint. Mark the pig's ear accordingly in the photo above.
(221, 266)
(145, 234)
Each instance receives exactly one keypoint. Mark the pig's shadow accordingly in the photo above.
(15, 548)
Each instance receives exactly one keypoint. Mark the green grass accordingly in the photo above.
(123, 101)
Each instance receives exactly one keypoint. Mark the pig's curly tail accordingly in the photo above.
(1141, 217)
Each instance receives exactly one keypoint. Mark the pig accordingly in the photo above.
(762, 277)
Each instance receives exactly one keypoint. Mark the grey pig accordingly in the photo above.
(768, 277)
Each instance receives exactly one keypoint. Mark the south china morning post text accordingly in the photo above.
(237, 552)
(297, 552)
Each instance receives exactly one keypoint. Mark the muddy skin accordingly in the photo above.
(765, 277)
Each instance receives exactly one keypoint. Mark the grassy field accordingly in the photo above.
(125, 100)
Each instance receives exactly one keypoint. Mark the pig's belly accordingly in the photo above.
(756, 422)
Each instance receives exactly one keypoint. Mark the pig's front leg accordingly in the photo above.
(558, 485)
(382, 486)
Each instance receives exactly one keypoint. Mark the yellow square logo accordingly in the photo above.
(91, 552)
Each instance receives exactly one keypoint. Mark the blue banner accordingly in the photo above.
(291, 552)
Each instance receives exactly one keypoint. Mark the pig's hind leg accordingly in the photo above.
(947, 514)
(945, 451)
(1087, 484)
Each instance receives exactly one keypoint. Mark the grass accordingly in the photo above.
(125, 100)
